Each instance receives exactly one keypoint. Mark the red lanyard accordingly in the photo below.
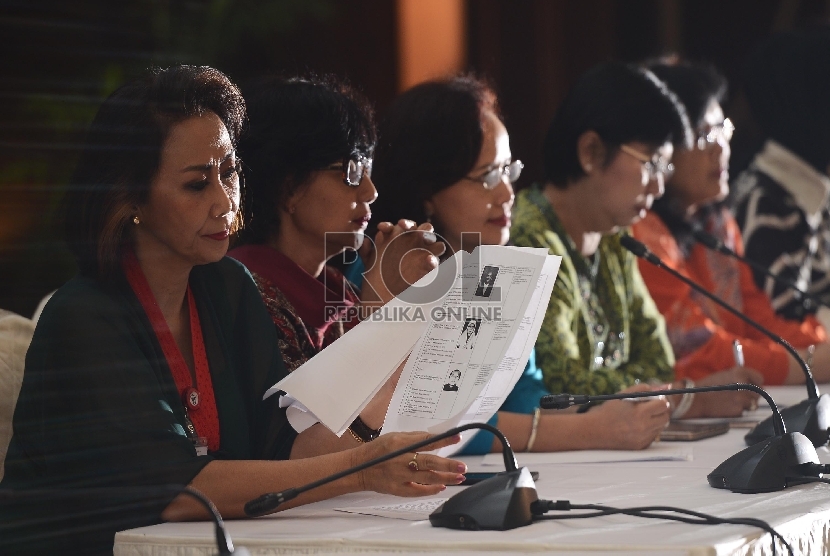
(198, 399)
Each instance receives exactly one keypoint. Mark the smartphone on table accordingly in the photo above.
(681, 430)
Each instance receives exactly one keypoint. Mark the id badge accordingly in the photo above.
(201, 445)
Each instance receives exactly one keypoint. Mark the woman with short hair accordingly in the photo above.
(607, 154)
(451, 131)
(308, 156)
(702, 333)
(149, 367)
(782, 200)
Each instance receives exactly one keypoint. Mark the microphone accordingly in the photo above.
(223, 539)
(499, 503)
(811, 417)
(713, 243)
(66, 496)
(815, 421)
(773, 464)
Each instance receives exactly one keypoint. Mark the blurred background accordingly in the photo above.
(61, 58)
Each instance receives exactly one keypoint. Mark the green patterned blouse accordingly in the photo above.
(602, 331)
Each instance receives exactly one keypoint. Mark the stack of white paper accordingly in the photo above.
(470, 326)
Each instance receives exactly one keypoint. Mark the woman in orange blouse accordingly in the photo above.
(702, 333)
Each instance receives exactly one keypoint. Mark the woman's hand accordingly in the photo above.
(403, 254)
(730, 403)
(399, 476)
(318, 440)
(625, 425)
(232, 483)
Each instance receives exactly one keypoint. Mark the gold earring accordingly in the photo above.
(136, 221)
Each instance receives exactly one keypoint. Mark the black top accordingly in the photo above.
(99, 408)
(778, 235)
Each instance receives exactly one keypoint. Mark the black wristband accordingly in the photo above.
(363, 431)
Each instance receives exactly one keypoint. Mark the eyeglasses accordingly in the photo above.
(715, 134)
(655, 166)
(492, 177)
(353, 169)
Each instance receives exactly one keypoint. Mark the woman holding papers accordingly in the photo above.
(607, 154)
(451, 132)
(702, 333)
(308, 157)
(149, 367)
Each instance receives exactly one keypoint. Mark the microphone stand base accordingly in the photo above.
(810, 417)
(767, 466)
(499, 503)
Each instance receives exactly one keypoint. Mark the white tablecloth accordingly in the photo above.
(801, 514)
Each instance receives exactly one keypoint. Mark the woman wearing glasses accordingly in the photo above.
(308, 159)
(703, 334)
(460, 172)
(606, 154)
(452, 133)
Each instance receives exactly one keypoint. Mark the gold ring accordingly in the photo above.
(413, 463)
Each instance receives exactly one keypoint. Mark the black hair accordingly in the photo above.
(122, 153)
(695, 84)
(787, 81)
(297, 126)
(430, 138)
(621, 103)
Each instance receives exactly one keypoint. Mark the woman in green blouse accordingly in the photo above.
(606, 155)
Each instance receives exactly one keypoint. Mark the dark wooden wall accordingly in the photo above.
(533, 50)
(61, 58)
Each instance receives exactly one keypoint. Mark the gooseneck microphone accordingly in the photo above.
(810, 417)
(500, 502)
(713, 243)
(642, 251)
(223, 539)
(784, 460)
(813, 420)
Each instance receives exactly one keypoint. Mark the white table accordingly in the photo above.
(801, 514)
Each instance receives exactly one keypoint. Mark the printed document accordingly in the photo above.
(462, 369)
(470, 326)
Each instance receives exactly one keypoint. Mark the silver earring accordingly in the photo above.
(136, 221)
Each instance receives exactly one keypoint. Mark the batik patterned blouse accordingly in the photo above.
(309, 313)
(602, 331)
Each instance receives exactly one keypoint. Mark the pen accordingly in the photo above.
(642, 399)
(738, 353)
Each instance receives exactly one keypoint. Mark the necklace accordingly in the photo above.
(588, 280)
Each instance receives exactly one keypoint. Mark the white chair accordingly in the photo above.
(15, 335)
